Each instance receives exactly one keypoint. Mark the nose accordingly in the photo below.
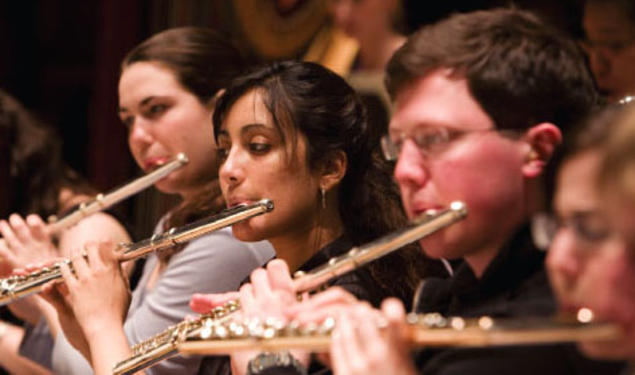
(231, 172)
(600, 64)
(563, 260)
(139, 133)
(411, 169)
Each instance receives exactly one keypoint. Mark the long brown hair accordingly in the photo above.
(203, 62)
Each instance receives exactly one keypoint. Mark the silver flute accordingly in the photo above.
(18, 286)
(165, 344)
(104, 201)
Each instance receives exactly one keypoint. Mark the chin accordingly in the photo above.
(167, 186)
(441, 245)
(243, 231)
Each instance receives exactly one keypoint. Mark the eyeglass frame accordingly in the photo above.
(391, 150)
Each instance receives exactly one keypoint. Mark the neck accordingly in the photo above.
(299, 246)
(376, 52)
(482, 257)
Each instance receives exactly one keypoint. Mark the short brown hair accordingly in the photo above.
(520, 70)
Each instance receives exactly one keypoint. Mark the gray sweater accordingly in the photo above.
(211, 264)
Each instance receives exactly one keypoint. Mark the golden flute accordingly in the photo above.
(164, 344)
(422, 330)
(15, 287)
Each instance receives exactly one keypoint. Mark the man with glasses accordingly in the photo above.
(479, 103)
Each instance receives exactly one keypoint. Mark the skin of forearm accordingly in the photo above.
(108, 346)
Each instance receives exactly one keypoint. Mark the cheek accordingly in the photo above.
(485, 176)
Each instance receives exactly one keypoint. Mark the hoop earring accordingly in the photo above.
(323, 193)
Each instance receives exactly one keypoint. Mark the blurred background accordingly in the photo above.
(61, 59)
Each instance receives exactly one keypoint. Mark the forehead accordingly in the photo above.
(606, 19)
(439, 99)
(249, 109)
(143, 79)
(576, 183)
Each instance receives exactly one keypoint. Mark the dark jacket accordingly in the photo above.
(515, 284)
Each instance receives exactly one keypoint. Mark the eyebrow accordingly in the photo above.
(245, 129)
(142, 103)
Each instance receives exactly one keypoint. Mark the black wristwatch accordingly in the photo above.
(280, 363)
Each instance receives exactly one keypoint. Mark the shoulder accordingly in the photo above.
(222, 246)
(97, 227)
(362, 285)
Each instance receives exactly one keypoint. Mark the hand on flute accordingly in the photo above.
(25, 242)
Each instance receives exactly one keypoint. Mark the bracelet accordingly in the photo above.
(275, 363)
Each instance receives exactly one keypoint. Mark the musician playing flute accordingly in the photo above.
(479, 101)
(166, 96)
(591, 261)
(297, 133)
(36, 183)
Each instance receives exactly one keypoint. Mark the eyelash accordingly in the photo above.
(156, 109)
(259, 148)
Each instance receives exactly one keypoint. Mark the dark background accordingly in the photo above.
(60, 58)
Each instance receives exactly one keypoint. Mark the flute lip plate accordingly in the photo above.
(459, 206)
(268, 203)
(182, 158)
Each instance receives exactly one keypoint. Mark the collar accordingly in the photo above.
(516, 261)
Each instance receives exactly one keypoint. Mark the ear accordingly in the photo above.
(542, 140)
(332, 170)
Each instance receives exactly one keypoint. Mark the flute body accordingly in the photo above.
(104, 201)
(15, 287)
(422, 330)
(164, 345)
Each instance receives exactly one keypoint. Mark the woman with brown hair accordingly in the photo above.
(166, 96)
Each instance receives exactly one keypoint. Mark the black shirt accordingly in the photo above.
(514, 284)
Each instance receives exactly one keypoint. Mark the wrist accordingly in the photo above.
(282, 363)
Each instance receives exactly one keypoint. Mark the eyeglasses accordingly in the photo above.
(589, 229)
(432, 140)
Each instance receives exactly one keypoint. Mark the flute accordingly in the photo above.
(421, 330)
(104, 201)
(164, 344)
(16, 287)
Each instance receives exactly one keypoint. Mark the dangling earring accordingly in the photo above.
(323, 192)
